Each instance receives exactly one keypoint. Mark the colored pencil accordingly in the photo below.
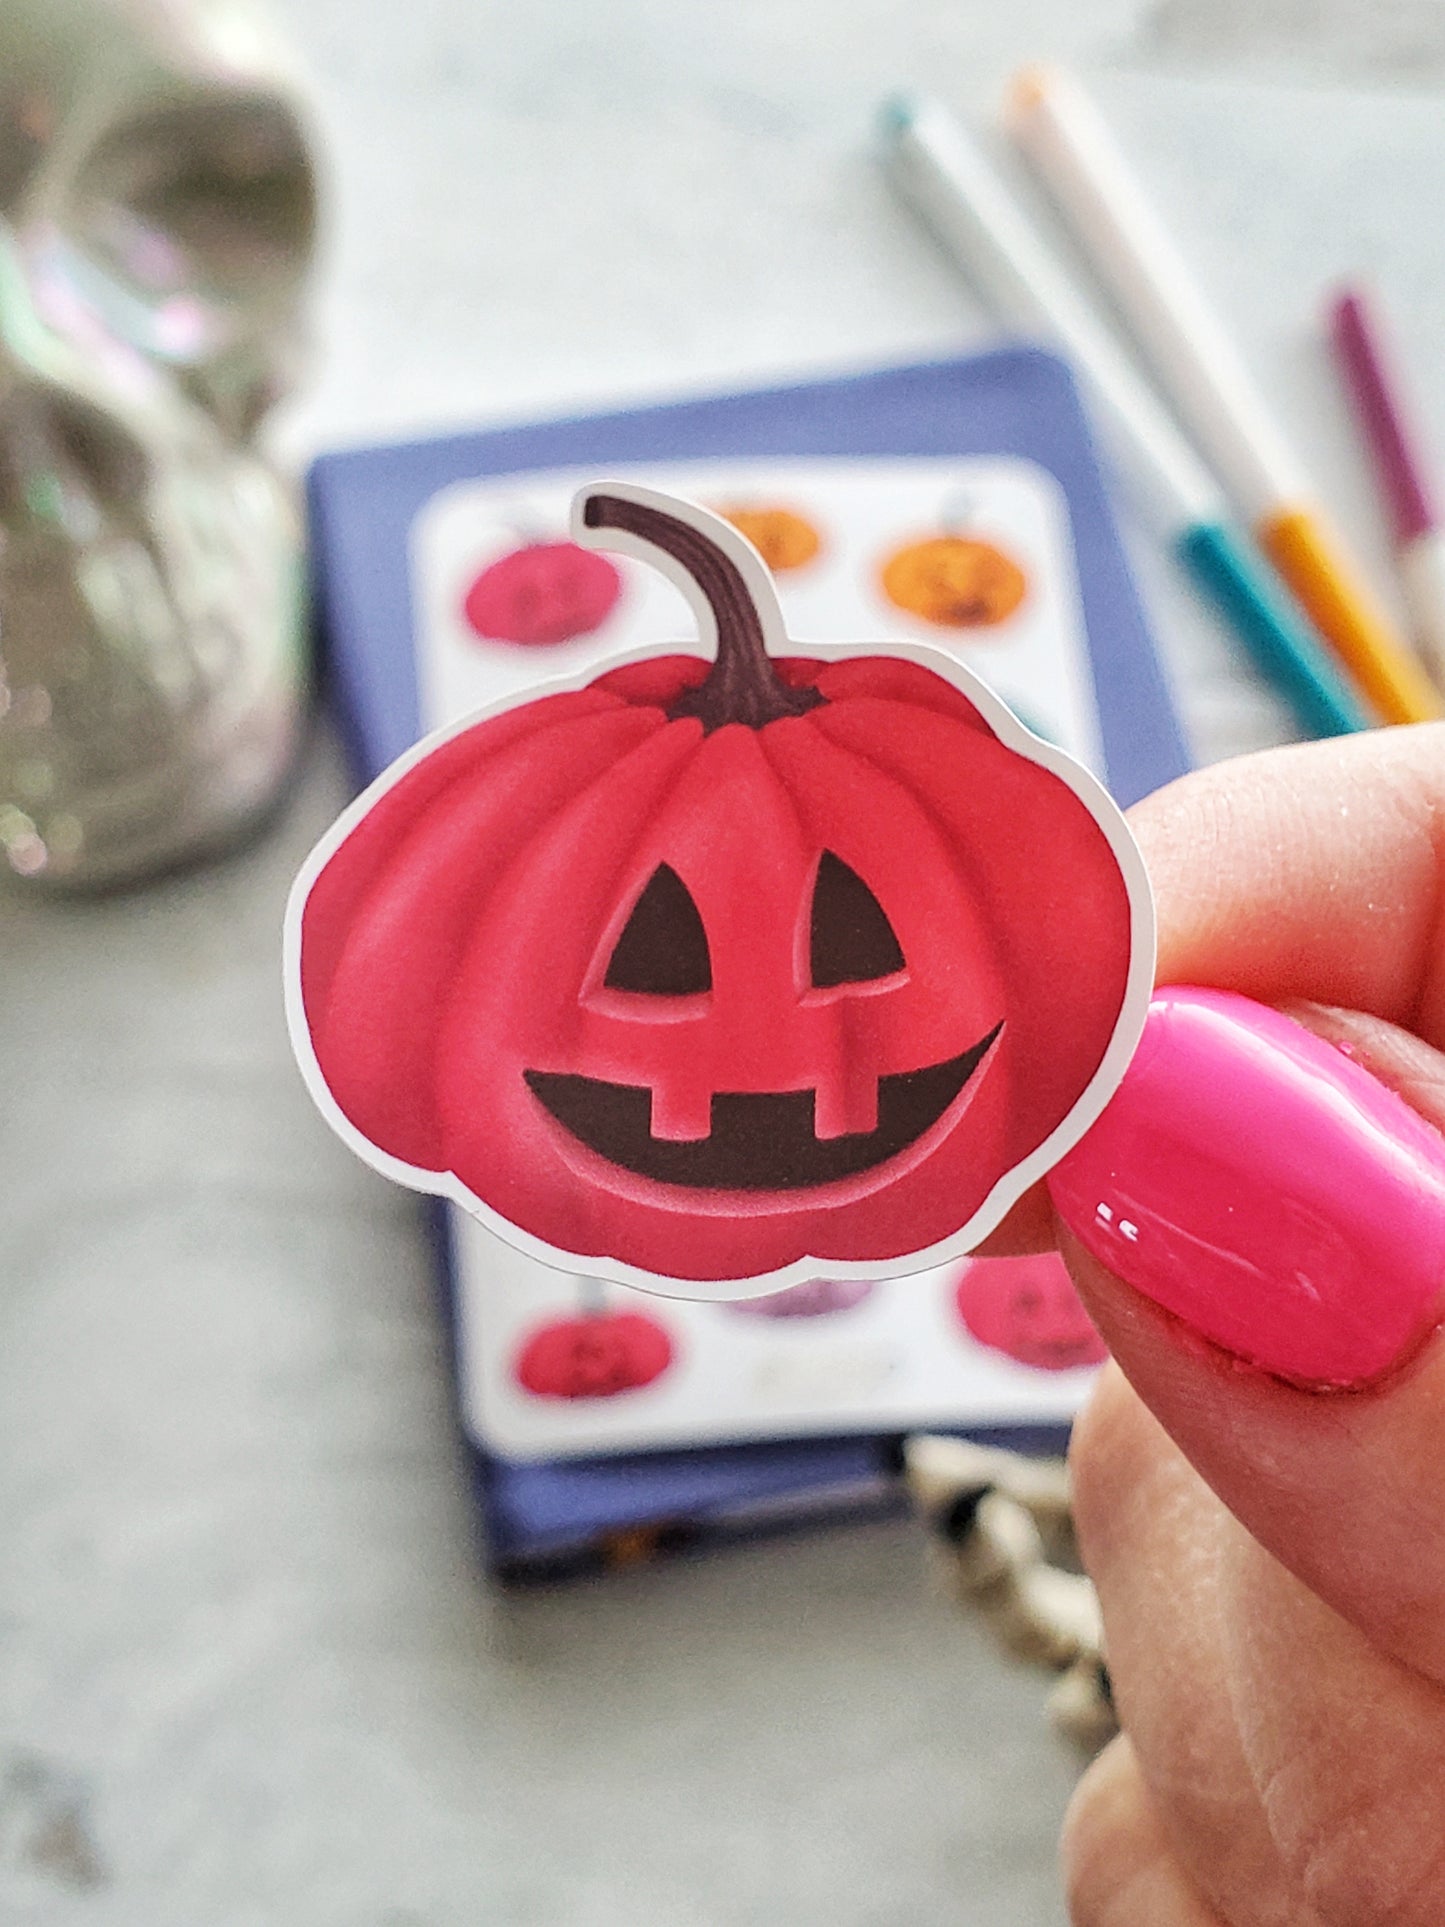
(939, 170)
(1388, 425)
(1065, 139)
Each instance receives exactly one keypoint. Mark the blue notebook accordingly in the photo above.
(763, 1419)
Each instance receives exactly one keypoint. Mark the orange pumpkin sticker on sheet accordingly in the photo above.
(782, 537)
(954, 579)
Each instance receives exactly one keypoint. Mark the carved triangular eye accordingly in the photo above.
(663, 947)
(852, 939)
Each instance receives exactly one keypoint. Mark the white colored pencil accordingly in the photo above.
(941, 172)
(1065, 139)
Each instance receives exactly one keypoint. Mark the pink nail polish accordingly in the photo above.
(1251, 1179)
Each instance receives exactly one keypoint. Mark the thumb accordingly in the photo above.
(1257, 1224)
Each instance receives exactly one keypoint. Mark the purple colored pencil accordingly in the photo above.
(1376, 395)
(1400, 469)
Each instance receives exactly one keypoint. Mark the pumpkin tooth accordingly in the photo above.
(845, 1102)
(681, 1109)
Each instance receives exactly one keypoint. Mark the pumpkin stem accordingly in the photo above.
(742, 686)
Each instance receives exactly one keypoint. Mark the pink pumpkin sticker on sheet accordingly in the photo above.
(716, 973)
(1028, 1309)
(597, 1354)
(543, 593)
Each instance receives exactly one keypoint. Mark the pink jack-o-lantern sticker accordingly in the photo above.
(716, 973)
(542, 593)
(596, 1354)
(1028, 1309)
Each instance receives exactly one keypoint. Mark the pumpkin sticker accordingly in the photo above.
(814, 1298)
(598, 1354)
(543, 592)
(954, 579)
(783, 537)
(720, 972)
(1028, 1309)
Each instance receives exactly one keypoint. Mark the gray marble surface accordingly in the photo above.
(248, 1672)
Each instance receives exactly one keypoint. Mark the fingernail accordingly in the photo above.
(1251, 1179)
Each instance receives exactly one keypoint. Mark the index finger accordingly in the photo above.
(1302, 1217)
(1307, 874)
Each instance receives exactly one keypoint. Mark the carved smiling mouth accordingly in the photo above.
(760, 1140)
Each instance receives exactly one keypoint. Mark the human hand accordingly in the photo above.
(1271, 1559)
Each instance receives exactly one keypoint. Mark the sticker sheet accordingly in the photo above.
(766, 961)
(970, 556)
(554, 1366)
